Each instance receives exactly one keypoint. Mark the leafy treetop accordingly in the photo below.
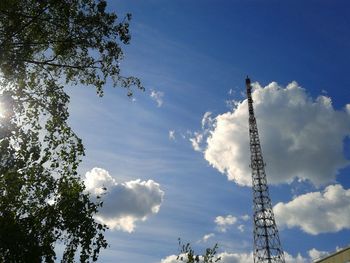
(44, 44)
(73, 40)
(188, 255)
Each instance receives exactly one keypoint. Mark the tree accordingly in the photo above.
(188, 255)
(45, 45)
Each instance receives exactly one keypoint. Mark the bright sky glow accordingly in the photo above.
(175, 159)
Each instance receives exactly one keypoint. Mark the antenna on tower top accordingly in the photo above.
(267, 245)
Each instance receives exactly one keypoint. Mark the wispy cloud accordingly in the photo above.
(207, 120)
(241, 228)
(316, 254)
(157, 96)
(172, 135)
(196, 141)
(197, 138)
(206, 237)
(245, 217)
(232, 104)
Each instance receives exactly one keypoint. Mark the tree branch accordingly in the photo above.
(47, 62)
(30, 21)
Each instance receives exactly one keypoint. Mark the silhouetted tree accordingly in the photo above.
(44, 45)
(188, 255)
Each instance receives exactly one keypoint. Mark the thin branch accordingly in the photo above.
(47, 62)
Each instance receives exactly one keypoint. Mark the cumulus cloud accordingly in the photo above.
(123, 203)
(301, 137)
(170, 259)
(317, 212)
(223, 222)
(240, 258)
(157, 96)
(236, 257)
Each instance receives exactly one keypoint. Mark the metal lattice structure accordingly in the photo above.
(267, 245)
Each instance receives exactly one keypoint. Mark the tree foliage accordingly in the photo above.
(188, 255)
(45, 45)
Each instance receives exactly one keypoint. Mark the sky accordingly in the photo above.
(175, 158)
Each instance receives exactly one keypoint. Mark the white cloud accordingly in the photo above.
(337, 248)
(172, 135)
(223, 222)
(316, 254)
(241, 228)
(96, 180)
(240, 258)
(301, 138)
(248, 258)
(317, 212)
(298, 259)
(196, 141)
(245, 217)
(207, 119)
(170, 259)
(236, 257)
(347, 108)
(206, 237)
(232, 104)
(157, 96)
(123, 203)
(231, 92)
(225, 258)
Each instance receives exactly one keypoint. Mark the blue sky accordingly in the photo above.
(193, 57)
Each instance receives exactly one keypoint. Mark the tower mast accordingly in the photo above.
(267, 245)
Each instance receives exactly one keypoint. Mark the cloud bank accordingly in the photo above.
(301, 137)
(317, 212)
(244, 258)
(123, 203)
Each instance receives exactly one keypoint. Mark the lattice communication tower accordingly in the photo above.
(267, 245)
